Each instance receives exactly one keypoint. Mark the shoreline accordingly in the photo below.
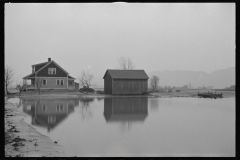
(22, 140)
(94, 95)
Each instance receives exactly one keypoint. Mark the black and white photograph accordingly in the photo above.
(120, 79)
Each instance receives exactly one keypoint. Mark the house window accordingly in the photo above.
(60, 82)
(59, 107)
(43, 108)
(51, 70)
(44, 82)
(70, 83)
(51, 119)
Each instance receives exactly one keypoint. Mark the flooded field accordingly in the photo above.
(194, 93)
(136, 126)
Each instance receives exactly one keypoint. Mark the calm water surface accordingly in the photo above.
(135, 126)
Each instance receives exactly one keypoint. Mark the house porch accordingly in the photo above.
(51, 84)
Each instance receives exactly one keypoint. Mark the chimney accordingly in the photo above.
(49, 59)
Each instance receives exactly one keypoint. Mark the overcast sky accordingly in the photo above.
(163, 36)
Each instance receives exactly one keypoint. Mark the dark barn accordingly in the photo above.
(125, 82)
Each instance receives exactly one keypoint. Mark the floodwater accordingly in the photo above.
(135, 126)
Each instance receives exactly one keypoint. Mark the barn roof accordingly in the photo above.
(127, 74)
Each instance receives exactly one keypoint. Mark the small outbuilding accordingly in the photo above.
(125, 82)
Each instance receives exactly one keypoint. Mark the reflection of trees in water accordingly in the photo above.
(125, 126)
(154, 104)
(85, 108)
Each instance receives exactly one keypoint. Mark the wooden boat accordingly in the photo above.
(210, 95)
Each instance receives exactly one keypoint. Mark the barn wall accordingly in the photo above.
(108, 84)
(126, 86)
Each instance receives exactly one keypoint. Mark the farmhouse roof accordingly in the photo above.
(45, 64)
(70, 77)
(50, 63)
(32, 75)
(127, 74)
(39, 64)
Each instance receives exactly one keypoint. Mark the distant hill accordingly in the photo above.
(218, 79)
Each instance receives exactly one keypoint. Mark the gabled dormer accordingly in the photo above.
(38, 66)
(50, 69)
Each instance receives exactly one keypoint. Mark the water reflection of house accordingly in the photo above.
(48, 112)
(122, 109)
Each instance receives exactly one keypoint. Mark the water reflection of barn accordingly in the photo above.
(121, 109)
(48, 112)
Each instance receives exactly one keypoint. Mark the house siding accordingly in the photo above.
(52, 84)
(108, 84)
(59, 72)
(71, 86)
(129, 86)
(76, 86)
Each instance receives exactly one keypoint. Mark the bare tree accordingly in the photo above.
(125, 63)
(8, 79)
(21, 87)
(86, 79)
(154, 82)
(38, 82)
(86, 108)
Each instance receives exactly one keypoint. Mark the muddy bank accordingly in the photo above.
(22, 140)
